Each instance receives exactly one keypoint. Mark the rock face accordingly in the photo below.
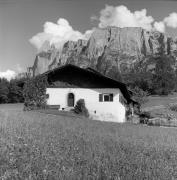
(111, 50)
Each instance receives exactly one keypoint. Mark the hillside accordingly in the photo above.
(111, 51)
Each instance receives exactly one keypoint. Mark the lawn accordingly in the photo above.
(160, 101)
(35, 145)
(160, 108)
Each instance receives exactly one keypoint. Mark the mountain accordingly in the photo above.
(111, 51)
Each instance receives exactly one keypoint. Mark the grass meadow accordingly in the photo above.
(36, 146)
(160, 101)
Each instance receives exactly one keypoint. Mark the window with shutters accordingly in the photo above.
(105, 97)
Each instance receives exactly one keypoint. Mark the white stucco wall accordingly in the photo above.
(105, 111)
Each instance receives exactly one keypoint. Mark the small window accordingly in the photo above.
(47, 96)
(105, 97)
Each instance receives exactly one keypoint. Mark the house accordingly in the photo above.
(106, 99)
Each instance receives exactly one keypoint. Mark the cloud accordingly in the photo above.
(39, 39)
(93, 18)
(121, 16)
(19, 68)
(57, 34)
(159, 26)
(171, 20)
(9, 74)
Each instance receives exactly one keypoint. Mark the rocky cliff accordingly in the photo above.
(111, 50)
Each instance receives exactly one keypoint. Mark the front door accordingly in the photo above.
(71, 100)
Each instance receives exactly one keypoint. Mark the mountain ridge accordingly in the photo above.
(111, 51)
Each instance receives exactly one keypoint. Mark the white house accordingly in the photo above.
(104, 97)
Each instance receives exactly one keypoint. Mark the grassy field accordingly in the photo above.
(160, 106)
(160, 101)
(40, 146)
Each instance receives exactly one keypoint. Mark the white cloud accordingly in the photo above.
(57, 34)
(93, 18)
(39, 39)
(171, 20)
(19, 68)
(121, 16)
(9, 74)
(159, 26)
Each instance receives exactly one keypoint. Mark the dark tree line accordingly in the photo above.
(10, 91)
(159, 80)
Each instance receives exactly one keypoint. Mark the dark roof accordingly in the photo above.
(96, 74)
(93, 70)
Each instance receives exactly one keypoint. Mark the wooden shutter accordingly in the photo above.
(100, 97)
(111, 97)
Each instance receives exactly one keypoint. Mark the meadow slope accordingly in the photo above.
(41, 146)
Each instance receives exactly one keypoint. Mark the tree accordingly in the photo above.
(4, 85)
(139, 95)
(164, 75)
(34, 93)
(15, 94)
(138, 79)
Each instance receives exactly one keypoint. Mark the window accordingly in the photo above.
(47, 96)
(105, 97)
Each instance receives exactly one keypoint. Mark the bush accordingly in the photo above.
(80, 108)
(173, 107)
(139, 95)
(35, 93)
(144, 117)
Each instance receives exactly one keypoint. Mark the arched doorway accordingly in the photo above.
(71, 100)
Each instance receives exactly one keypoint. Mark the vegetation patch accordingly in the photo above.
(35, 93)
(159, 117)
(10, 91)
(173, 107)
(139, 95)
(80, 108)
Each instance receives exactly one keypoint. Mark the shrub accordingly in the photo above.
(35, 93)
(80, 108)
(144, 117)
(173, 107)
(139, 95)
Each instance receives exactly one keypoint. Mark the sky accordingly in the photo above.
(26, 24)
